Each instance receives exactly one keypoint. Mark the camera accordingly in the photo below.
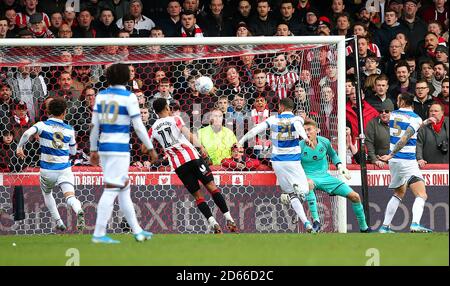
(443, 147)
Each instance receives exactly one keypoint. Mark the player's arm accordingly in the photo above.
(337, 162)
(254, 131)
(142, 133)
(73, 145)
(93, 139)
(301, 131)
(191, 137)
(24, 139)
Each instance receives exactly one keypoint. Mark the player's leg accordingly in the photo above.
(398, 183)
(189, 177)
(207, 179)
(417, 186)
(66, 183)
(358, 209)
(106, 203)
(294, 184)
(312, 204)
(47, 182)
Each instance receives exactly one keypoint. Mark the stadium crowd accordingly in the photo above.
(402, 48)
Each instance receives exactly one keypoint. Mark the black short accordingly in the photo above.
(192, 172)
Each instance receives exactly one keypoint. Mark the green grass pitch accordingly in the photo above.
(230, 249)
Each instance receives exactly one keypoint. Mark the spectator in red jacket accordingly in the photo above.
(369, 112)
(239, 161)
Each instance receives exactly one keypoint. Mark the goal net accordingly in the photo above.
(250, 75)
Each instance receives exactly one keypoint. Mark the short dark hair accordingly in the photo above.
(407, 98)
(159, 105)
(118, 74)
(57, 106)
(187, 13)
(287, 103)
(401, 63)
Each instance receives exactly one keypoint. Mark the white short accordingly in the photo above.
(49, 179)
(115, 169)
(402, 171)
(289, 174)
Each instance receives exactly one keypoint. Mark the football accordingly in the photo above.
(204, 84)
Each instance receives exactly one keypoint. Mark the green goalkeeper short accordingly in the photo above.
(331, 185)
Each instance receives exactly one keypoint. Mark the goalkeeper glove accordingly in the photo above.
(344, 172)
(285, 199)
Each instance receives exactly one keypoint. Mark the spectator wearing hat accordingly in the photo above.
(38, 28)
(263, 23)
(324, 26)
(437, 12)
(443, 97)
(171, 23)
(23, 18)
(239, 161)
(441, 55)
(416, 27)
(242, 30)
(142, 22)
(289, 17)
(85, 28)
(433, 139)
(377, 134)
(311, 22)
(388, 30)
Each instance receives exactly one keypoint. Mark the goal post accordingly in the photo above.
(46, 53)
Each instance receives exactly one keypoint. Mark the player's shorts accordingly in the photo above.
(50, 178)
(331, 185)
(115, 169)
(402, 171)
(291, 176)
(193, 171)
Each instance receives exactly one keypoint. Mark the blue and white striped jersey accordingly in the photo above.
(284, 136)
(115, 107)
(399, 121)
(55, 138)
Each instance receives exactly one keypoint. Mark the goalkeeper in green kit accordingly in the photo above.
(315, 164)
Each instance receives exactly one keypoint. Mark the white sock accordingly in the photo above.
(50, 203)
(417, 209)
(298, 207)
(104, 210)
(227, 216)
(391, 209)
(74, 203)
(127, 207)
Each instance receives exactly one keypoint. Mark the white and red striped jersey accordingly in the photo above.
(372, 47)
(22, 20)
(282, 83)
(167, 131)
